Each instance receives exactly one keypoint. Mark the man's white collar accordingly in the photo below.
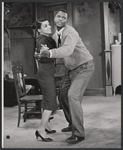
(60, 31)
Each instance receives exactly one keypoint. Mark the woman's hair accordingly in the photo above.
(37, 24)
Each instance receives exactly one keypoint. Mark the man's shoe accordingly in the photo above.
(74, 139)
(68, 139)
(68, 129)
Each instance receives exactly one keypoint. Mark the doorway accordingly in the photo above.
(48, 10)
(86, 19)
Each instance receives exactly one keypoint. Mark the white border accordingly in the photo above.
(2, 75)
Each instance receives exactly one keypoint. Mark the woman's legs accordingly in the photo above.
(45, 77)
(45, 116)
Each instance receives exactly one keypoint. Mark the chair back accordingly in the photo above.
(19, 80)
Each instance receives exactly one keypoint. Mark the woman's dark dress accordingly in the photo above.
(45, 74)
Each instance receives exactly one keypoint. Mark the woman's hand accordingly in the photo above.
(43, 48)
(44, 52)
(37, 55)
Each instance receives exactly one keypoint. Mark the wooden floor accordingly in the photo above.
(102, 121)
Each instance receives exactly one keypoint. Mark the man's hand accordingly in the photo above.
(45, 53)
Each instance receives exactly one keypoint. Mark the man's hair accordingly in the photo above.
(63, 10)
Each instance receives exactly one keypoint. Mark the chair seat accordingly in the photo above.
(31, 97)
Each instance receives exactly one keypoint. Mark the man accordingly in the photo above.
(80, 66)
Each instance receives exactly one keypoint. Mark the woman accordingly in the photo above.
(45, 77)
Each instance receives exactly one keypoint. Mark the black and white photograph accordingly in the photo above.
(61, 74)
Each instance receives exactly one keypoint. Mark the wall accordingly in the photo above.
(7, 61)
(20, 45)
(22, 49)
(6, 44)
(114, 24)
(87, 21)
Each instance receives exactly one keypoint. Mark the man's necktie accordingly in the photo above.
(59, 40)
(59, 44)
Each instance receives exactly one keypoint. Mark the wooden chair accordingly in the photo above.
(27, 102)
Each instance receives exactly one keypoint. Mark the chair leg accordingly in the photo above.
(24, 117)
(25, 112)
(19, 115)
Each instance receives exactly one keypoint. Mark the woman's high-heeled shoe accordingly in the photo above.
(37, 134)
(51, 117)
(50, 131)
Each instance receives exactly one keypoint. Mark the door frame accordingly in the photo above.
(40, 9)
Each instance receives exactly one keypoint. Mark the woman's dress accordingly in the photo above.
(45, 74)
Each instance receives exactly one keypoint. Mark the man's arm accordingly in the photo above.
(71, 38)
(70, 41)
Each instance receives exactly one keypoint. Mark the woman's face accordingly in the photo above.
(45, 28)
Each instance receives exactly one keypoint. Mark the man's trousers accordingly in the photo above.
(71, 95)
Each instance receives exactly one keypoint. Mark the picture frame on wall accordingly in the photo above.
(20, 14)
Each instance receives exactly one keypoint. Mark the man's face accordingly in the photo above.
(61, 19)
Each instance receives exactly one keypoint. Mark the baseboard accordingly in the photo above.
(95, 92)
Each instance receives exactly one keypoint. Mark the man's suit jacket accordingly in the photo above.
(72, 50)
